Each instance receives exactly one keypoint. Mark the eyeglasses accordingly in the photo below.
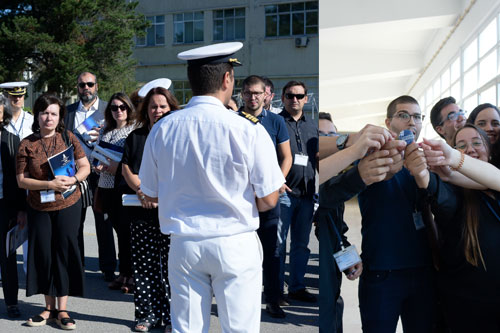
(476, 144)
(405, 117)
(453, 116)
(88, 84)
(115, 108)
(292, 96)
(250, 94)
(321, 133)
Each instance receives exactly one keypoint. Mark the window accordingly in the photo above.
(292, 19)
(155, 34)
(188, 27)
(229, 24)
(182, 91)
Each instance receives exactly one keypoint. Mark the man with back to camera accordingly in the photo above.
(211, 171)
(447, 118)
(253, 94)
(89, 105)
(397, 279)
(296, 203)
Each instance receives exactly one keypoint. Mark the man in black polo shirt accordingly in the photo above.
(296, 203)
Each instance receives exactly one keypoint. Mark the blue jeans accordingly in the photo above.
(384, 296)
(296, 214)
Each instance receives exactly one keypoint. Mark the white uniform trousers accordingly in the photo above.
(229, 267)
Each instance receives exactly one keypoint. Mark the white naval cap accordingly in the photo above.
(212, 54)
(162, 82)
(14, 88)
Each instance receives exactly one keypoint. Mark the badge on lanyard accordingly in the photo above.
(301, 159)
(347, 257)
(418, 220)
(47, 196)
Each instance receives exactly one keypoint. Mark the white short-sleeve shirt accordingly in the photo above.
(22, 126)
(206, 164)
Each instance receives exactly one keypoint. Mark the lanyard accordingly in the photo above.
(491, 208)
(53, 146)
(20, 131)
(336, 232)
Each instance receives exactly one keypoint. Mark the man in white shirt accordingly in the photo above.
(211, 171)
(90, 106)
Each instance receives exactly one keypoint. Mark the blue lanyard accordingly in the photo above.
(20, 131)
(491, 208)
(336, 232)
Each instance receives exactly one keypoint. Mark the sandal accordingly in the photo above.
(117, 283)
(143, 326)
(13, 311)
(38, 320)
(65, 323)
(128, 286)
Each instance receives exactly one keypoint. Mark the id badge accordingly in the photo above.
(301, 159)
(47, 196)
(347, 257)
(418, 220)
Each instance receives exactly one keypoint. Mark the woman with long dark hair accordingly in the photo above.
(54, 263)
(469, 222)
(149, 245)
(119, 118)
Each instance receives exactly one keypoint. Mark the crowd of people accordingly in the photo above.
(216, 192)
(430, 220)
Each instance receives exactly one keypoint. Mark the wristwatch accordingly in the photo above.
(341, 141)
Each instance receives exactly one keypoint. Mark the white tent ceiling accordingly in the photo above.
(373, 51)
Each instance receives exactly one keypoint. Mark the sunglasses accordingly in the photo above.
(115, 108)
(88, 84)
(292, 96)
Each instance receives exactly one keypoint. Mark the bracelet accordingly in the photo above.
(77, 181)
(461, 163)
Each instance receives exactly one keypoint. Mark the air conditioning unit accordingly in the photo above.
(301, 41)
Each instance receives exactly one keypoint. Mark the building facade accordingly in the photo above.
(280, 40)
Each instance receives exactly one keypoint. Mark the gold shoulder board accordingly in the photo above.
(248, 116)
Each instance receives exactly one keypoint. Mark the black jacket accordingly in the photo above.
(14, 196)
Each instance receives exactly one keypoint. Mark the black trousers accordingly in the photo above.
(8, 265)
(104, 233)
(121, 223)
(150, 257)
(467, 315)
(54, 261)
(268, 234)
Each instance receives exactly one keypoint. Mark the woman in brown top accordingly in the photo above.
(54, 265)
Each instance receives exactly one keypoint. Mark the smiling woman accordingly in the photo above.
(487, 117)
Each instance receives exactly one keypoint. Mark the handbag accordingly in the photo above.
(84, 184)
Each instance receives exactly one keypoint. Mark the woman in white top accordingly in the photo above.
(120, 121)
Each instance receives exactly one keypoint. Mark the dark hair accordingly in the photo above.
(404, 99)
(252, 80)
(136, 99)
(293, 84)
(108, 116)
(208, 78)
(325, 116)
(436, 119)
(41, 104)
(473, 115)
(143, 117)
(472, 248)
(268, 83)
(7, 116)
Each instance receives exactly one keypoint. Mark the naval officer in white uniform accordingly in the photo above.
(211, 171)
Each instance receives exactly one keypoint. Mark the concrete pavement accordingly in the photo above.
(104, 310)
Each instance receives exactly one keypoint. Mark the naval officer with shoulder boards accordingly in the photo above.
(202, 166)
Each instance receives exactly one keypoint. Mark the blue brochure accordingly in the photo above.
(63, 164)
